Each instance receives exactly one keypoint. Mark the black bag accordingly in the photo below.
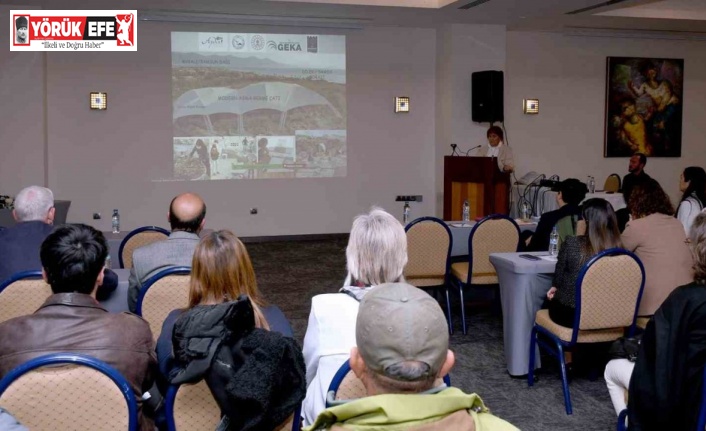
(625, 348)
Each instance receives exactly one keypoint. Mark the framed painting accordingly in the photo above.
(644, 99)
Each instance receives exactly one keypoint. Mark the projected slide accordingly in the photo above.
(252, 105)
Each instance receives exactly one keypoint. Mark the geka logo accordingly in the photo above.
(38, 30)
(284, 46)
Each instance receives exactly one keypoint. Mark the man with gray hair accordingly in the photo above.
(19, 245)
(402, 352)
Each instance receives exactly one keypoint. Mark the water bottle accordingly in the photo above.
(108, 264)
(116, 221)
(591, 184)
(466, 211)
(405, 213)
(525, 211)
(554, 242)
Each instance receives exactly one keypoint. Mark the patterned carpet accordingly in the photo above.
(290, 273)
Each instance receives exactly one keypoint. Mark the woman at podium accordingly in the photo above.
(497, 148)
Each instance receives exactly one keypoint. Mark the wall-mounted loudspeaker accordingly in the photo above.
(487, 96)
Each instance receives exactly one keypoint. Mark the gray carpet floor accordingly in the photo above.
(290, 273)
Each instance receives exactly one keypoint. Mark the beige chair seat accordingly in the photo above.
(425, 281)
(642, 322)
(564, 333)
(23, 297)
(460, 271)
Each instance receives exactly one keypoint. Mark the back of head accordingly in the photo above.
(647, 198)
(573, 191)
(696, 176)
(402, 337)
(601, 225)
(642, 158)
(377, 248)
(221, 271)
(187, 212)
(73, 256)
(697, 236)
(33, 203)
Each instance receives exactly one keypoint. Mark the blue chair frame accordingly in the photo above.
(133, 233)
(170, 397)
(174, 270)
(461, 284)
(559, 345)
(445, 286)
(344, 369)
(76, 359)
(34, 274)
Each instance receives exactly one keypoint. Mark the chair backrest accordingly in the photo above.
(191, 407)
(608, 291)
(65, 391)
(345, 385)
(22, 294)
(138, 238)
(496, 233)
(612, 183)
(165, 291)
(429, 244)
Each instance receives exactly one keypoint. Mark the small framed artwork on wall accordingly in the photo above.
(644, 100)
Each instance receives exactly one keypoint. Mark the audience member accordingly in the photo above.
(658, 239)
(186, 216)
(255, 375)
(71, 320)
(221, 272)
(498, 149)
(601, 234)
(692, 184)
(636, 175)
(665, 389)
(376, 254)
(570, 194)
(19, 245)
(402, 349)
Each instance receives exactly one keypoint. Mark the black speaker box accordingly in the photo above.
(487, 104)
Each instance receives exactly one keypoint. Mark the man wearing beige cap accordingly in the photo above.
(403, 349)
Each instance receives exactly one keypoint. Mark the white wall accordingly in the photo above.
(461, 50)
(567, 74)
(106, 160)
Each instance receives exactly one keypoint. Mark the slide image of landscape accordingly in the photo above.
(323, 152)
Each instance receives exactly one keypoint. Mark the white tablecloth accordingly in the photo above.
(523, 289)
(543, 199)
(117, 302)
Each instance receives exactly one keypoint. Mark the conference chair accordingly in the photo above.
(165, 291)
(192, 407)
(345, 385)
(496, 233)
(429, 244)
(612, 183)
(608, 292)
(66, 392)
(22, 294)
(139, 238)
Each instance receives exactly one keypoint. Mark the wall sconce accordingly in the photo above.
(401, 104)
(99, 100)
(530, 106)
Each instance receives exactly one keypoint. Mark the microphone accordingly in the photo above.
(474, 148)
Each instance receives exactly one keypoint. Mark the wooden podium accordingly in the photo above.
(479, 180)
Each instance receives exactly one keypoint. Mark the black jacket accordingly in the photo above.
(256, 376)
(665, 387)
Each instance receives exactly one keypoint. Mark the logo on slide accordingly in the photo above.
(78, 30)
(284, 46)
(312, 44)
(238, 42)
(257, 42)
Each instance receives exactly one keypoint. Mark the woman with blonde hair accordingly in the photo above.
(221, 271)
(376, 254)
